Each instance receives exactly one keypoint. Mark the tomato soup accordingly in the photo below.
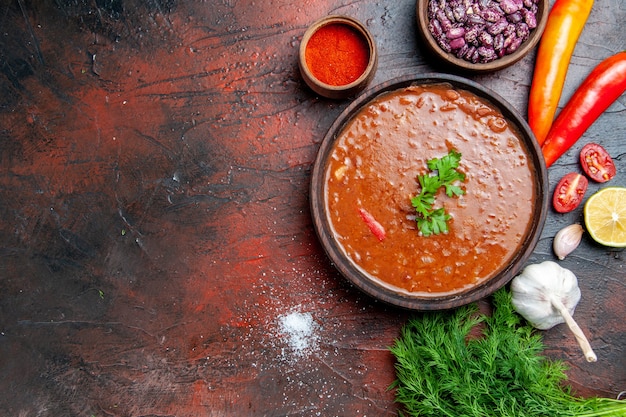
(373, 169)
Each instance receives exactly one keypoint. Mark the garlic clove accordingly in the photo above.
(567, 239)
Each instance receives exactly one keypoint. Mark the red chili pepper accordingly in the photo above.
(563, 28)
(598, 91)
(376, 228)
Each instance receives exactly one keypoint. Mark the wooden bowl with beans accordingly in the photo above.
(380, 198)
(481, 35)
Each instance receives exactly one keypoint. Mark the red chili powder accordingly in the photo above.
(337, 54)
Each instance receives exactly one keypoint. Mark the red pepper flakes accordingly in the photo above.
(337, 54)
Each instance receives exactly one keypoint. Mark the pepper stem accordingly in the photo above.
(575, 328)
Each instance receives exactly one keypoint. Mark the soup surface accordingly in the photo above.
(371, 176)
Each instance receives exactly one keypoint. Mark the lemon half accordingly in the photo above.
(605, 216)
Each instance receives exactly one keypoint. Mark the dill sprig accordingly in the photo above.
(442, 370)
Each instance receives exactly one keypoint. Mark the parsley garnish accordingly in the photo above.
(443, 173)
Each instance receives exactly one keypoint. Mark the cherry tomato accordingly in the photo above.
(569, 192)
(597, 162)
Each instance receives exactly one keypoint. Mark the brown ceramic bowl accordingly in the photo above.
(330, 240)
(450, 59)
(346, 90)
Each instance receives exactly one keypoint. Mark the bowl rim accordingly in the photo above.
(338, 91)
(500, 63)
(352, 273)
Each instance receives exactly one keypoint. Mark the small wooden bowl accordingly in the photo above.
(346, 90)
(452, 60)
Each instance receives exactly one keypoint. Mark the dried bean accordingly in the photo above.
(498, 44)
(460, 14)
(475, 56)
(443, 43)
(530, 19)
(457, 43)
(460, 53)
(456, 32)
(510, 30)
(475, 19)
(470, 52)
(471, 35)
(514, 45)
(481, 30)
(449, 14)
(498, 9)
(491, 15)
(508, 40)
(432, 9)
(435, 28)
(522, 31)
(511, 6)
(515, 17)
(486, 53)
(443, 19)
(534, 9)
(485, 39)
(498, 27)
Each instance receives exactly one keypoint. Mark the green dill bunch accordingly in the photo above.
(443, 370)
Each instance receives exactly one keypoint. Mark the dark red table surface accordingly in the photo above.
(155, 159)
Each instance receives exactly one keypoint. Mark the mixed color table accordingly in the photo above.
(158, 256)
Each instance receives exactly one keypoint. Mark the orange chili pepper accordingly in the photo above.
(563, 28)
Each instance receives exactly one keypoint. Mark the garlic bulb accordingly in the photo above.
(567, 239)
(546, 294)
